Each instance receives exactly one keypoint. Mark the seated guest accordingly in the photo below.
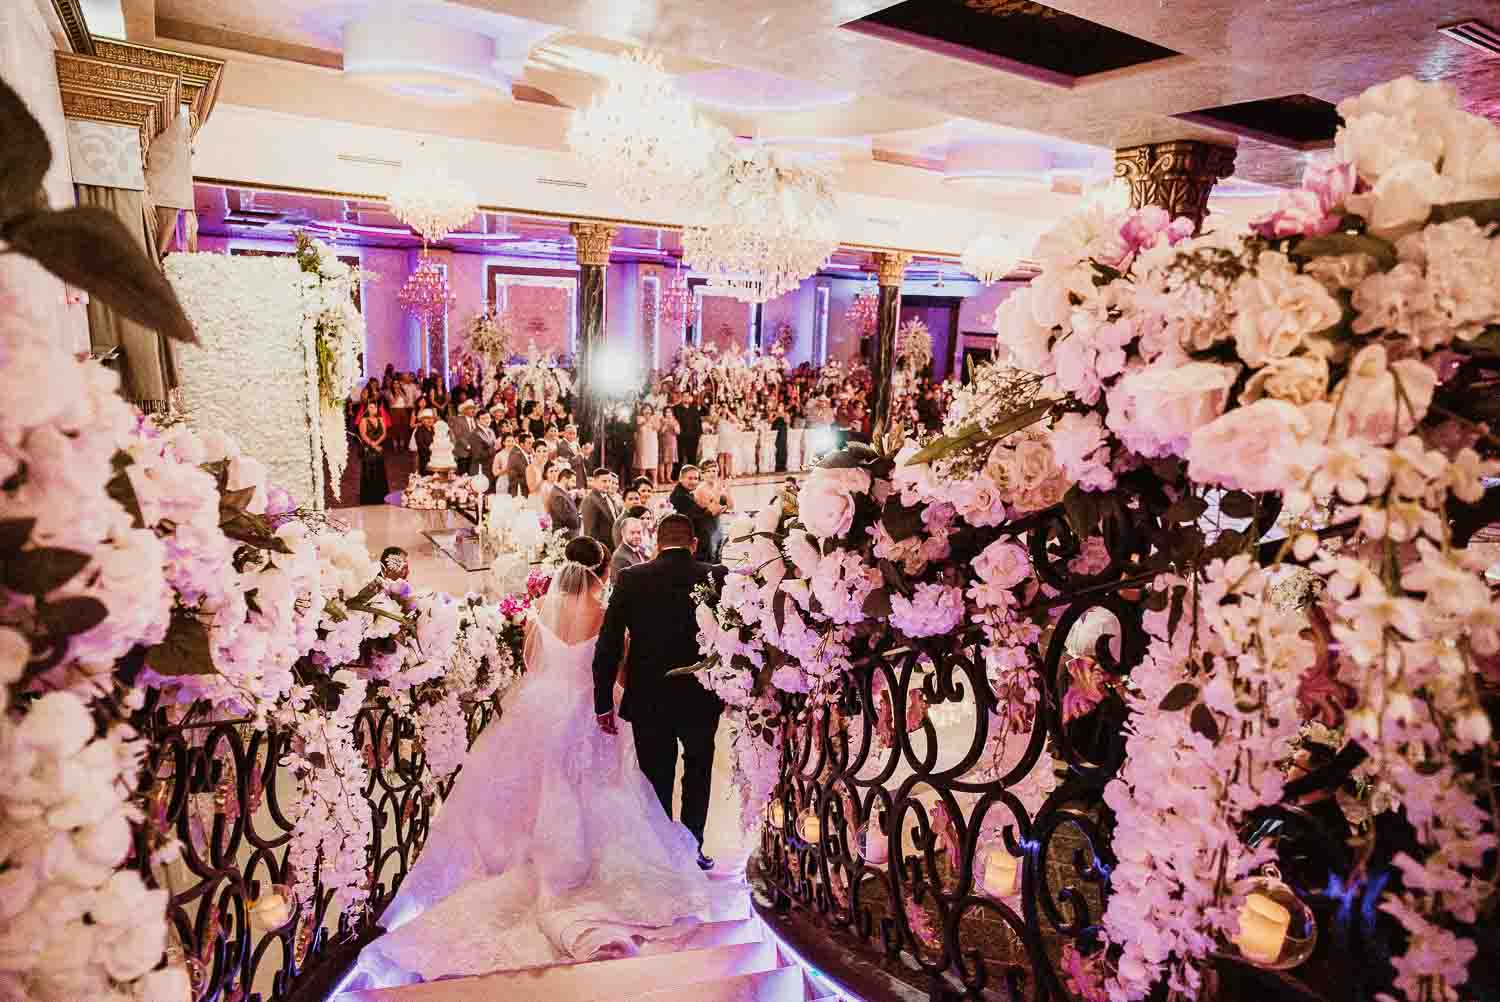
(631, 550)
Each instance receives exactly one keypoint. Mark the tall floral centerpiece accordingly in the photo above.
(1264, 453)
(337, 330)
(490, 338)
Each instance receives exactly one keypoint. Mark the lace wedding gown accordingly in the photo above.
(551, 848)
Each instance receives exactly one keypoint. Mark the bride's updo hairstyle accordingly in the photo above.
(590, 555)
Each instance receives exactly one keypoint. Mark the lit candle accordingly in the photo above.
(877, 845)
(1263, 926)
(812, 828)
(777, 814)
(1002, 872)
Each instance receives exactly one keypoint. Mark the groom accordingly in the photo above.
(654, 603)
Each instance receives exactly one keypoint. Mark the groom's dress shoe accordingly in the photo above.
(705, 862)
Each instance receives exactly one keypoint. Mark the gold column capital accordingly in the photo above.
(1177, 175)
(890, 267)
(593, 240)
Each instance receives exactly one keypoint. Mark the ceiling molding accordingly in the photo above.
(200, 76)
(70, 13)
(235, 41)
(103, 91)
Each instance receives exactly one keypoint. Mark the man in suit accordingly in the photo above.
(483, 445)
(630, 551)
(517, 458)
(598, 509)
(579, 462)
(560, 507)
(701, 519)
(653, 602)
(464, 427)
(690, 421)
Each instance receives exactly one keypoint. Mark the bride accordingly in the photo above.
(552, 846)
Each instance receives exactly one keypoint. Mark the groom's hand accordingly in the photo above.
(607, 723)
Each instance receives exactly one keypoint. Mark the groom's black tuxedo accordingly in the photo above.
(654, 603)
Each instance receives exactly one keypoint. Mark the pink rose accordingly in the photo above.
(1156, 410)
(1297, 212)
(1003, 564)
(827, 511)
(1264, 446)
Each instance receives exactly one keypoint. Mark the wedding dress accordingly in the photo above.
(552, 846)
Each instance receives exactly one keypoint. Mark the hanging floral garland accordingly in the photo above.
(337, 330)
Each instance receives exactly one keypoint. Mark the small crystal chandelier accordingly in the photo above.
(864, 313)
(989, 259)
(428, 199)
(425, 292)
(677, 302)
(643, 137)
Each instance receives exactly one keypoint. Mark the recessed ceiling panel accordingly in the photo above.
(1028, 38)
(1298, 121)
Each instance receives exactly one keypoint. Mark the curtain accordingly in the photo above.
(148, 373)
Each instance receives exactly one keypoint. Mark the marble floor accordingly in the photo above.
(387, 525)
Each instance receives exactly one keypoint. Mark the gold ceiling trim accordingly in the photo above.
(70, 13)
(565, 217)
(200, 75)
(103, 91)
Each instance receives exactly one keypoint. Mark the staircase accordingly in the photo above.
(736, 961)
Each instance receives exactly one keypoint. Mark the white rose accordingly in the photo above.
(1300, 379)
(852, 479)
(1402, 199)
(1370, 407)
(170, 984)
(105, 841)
(248, 472)
(1155, 410)
(58, 723)
(1264, 446)
(803, 553)
(1276, 309)
(826, 503)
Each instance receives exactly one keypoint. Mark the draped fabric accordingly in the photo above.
(148, 372)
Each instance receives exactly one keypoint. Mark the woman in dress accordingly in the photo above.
(373, 430)
(560, 854)
(767, 458)
(440, 399)
(667, 430)
(729, 443)
(647, 444)
(536, 472)
(796, 437)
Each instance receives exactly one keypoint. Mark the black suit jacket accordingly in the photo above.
(563, 512)
(703, 523)
(515, 469)
(653, 602)
(598, 518)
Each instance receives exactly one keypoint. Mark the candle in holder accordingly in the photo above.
(776, 814)
(272, 910)
(877, 844)
(1263, 928)
(1002, 872)
(810, 827)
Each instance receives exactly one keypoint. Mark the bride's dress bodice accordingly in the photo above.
(551, 845)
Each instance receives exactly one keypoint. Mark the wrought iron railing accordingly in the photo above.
(219, 788)
(933, 914)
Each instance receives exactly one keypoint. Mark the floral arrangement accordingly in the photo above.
(1319, 372)
(337, 332)
(783, 340)
(732, 377)
(539, 377)
(490, 335)
(914, 345)
(437, 492)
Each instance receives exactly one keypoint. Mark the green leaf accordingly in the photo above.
(1083, 510)
(878, 604)
(185, 649)
(1180, 698)
(41, 570)
(778, 609)
(692, 669)
(14, 532)
(1334, 244)
(974, 435)
(1203, 721)
(71, 615)
(1156, 601)
(1179, 594)
(1237, 504)
(235, 501)
(90, 249)
(1188, 508)
(25, 155)
(123, 491)
(1483, 211)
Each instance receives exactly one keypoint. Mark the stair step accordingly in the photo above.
(784, 984)
(594, 981)
(710, 934)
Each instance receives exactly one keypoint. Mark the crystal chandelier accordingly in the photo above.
(774, 225)
(425, 292)
(864, 313)
(643, 137)
(676, 302)
(989, 259)
(430, 201)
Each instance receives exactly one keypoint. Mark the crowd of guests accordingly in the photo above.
(741, 421)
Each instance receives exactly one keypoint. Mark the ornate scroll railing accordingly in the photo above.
(221, 789)
(936, 916)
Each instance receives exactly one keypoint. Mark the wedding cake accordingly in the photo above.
(442, 449)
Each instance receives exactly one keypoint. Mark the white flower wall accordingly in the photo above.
(252, 374)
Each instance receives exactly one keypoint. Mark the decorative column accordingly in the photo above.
(890, 268)
(1176, 176)
(593, 240)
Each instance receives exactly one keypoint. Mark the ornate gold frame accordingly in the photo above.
(104, 91)
(70, 13)
(200, 75)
